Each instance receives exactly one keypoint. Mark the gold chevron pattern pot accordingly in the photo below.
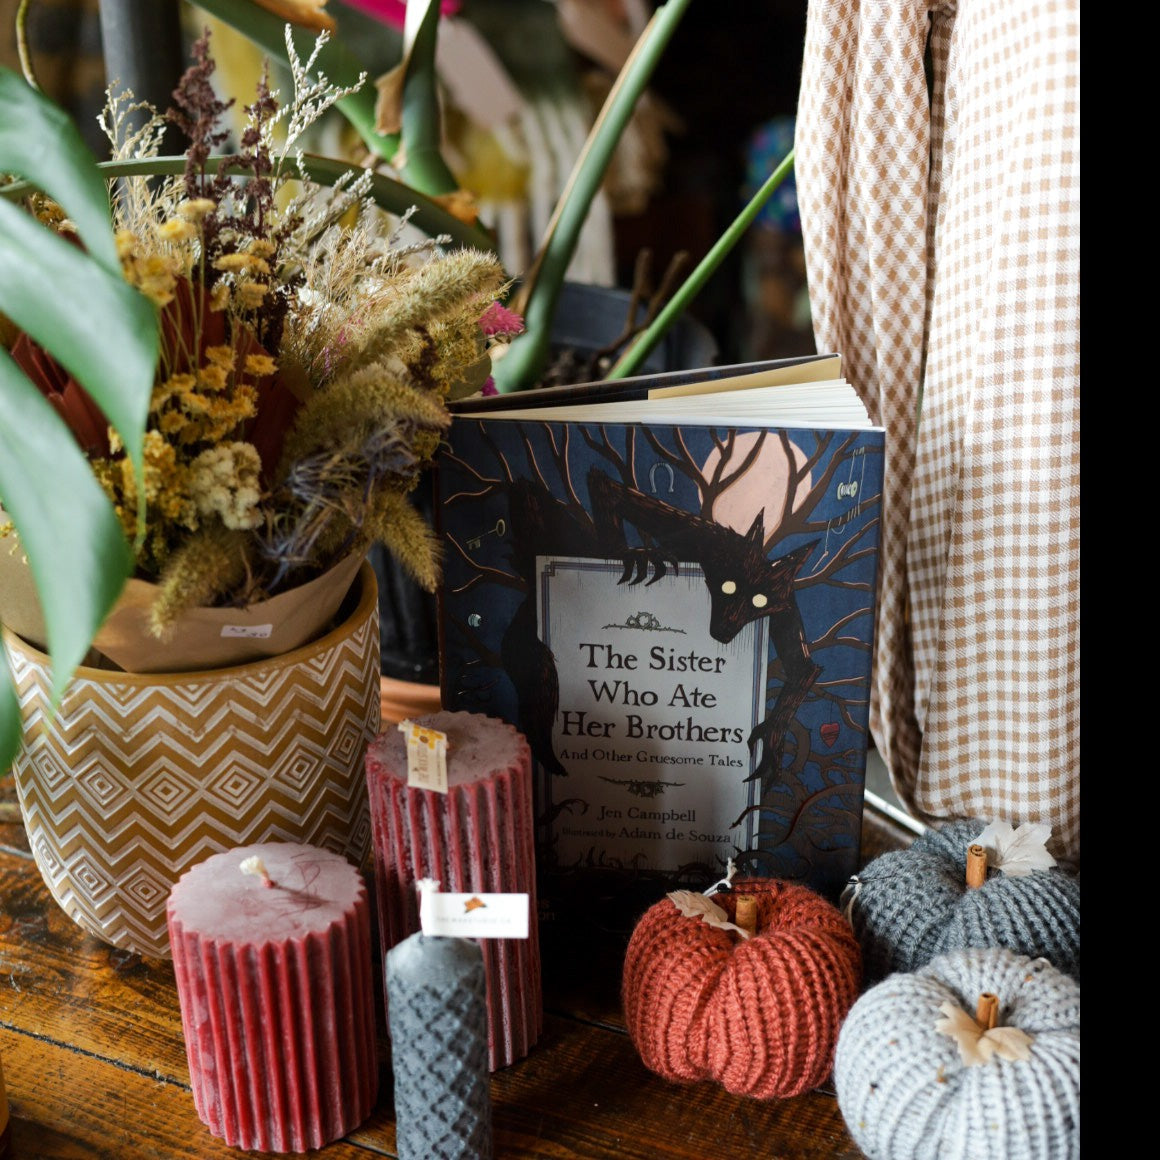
(139, 777)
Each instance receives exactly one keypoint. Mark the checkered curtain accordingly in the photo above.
(937, 161)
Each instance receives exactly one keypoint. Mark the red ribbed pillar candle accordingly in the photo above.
(272, 955)
(477, 838)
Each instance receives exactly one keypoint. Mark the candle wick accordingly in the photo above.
(255, 865)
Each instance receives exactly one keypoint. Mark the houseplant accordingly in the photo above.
(297, 397)
(402, 128)
(548, 306)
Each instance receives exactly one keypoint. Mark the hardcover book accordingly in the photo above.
(667, 584)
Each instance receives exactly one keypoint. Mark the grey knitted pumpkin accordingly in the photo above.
(909, 905)
(906, 1091)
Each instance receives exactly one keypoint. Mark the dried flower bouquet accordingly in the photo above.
(306, 355)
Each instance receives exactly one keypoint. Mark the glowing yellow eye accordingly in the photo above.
(760, 601)
(728, 587)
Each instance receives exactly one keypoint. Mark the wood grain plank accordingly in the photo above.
(68, 986)
(68, 1104)
(584, 1094)
(80, 1018)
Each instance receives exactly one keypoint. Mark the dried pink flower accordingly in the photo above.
(499, 321)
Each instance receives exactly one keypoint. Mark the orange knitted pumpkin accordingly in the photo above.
(758, 1015)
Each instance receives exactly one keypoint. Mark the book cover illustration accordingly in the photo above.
(679, 620)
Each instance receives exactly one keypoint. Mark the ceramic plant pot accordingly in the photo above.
(138, 777)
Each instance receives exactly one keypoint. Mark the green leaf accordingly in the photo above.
(40, 143)
(74, 303)
(524, 363)
(423, 165)
(75, 545)
(97, 326)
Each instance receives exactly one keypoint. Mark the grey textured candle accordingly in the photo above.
(437, 1012)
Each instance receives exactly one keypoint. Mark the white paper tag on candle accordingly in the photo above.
(474, 915)
(426, 757)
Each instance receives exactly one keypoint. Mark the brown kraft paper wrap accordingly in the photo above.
(203, 638)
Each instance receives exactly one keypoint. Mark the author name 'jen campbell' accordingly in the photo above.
(636, 814)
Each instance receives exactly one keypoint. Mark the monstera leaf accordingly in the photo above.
(73, 301)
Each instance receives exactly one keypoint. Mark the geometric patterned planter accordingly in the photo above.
(139, 777)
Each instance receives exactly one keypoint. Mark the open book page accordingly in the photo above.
(687, 381)
(827, 404)
(818, 370)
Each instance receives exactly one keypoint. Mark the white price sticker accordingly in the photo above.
(250, 631)
(474, 915)
(426, 757)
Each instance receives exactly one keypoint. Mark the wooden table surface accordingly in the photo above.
(95, 1066)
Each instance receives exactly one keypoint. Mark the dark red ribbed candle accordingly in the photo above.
(477, 838)
(277, 997)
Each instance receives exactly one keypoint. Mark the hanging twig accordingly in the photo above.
(22, 45)
(656, 300)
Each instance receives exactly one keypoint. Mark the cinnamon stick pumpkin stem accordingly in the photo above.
(976, 866)
(987, 1010)
(746, 915)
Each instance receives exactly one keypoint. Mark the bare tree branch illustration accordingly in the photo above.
(795, 515)
(484, 573)
(842, 558)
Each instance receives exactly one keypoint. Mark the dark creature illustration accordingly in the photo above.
(743, 584)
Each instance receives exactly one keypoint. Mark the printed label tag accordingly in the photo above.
(426, 757)
(252, 631)
(474, 915)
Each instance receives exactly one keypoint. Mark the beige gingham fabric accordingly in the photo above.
(942, 250)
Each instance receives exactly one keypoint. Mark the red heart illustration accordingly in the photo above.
(830, 731)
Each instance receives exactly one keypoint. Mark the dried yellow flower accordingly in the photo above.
(225, 483)
(215, 378)
(195, 209)
(220, 356)
(232, 263)
(251, 294)
(177, 230)
(260, 365)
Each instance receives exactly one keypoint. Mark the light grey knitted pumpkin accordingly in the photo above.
(905, 1091)
(909, 905)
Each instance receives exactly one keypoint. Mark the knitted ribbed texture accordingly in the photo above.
(910, 905)
(760, 1016)
(905, 1093)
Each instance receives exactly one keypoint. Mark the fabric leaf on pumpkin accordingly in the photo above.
(693, 905)
(977, 1046)
(1017, 852)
